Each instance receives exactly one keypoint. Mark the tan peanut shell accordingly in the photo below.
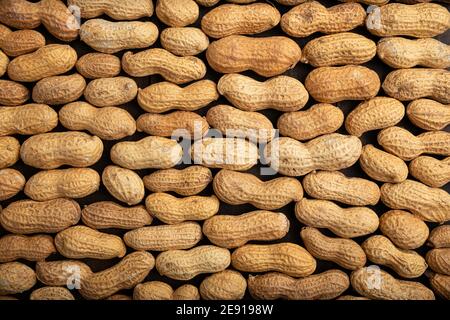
(51, 293)
(4, 31)
(374, 283)
(439, 260)
(405, 230)
(65, 183)
(107, 92)
(344, 252)
(13, 93)
(334, 185)
(11, 183)
(59, 89)
(242, 124)
(175, 69)
(230, 19)
(111, 37)
(406, 263)
(52, 150)
(165, 96)
(339, 49)
(209, 3)
(224, 285)
(186, 182)
(267, 56)
(107, 214)
(428, 114)
(328, 152)
(4, 62)
(310, 17)
(28, 119)
(115, 9)
(187, 264)
(231, 231)
(440, 237)
(382, 166)
(62, 272)
(321, 118)
(237, 188)
(186, 292)
(406, 146)
(98, 65)
(81, 242)
(441, 285)
(323, 286)
(350, 297)
(164, 237)
(415, 83)
(400, 53)
(50, 60)
(126, 274)
(345, 223)
(108, 123)
(28, 216)
(33, 248)
(172, 210)
(376, 113)
(123, 184)
(153, 290)
(120, 297)
(335, 84)
(281, 93)
(429, 204)
(433, 172)
(9, 151)
(424, 20)
(15, 277)
(185, 41)
(177, 13)
(21, 42)
(150, 152)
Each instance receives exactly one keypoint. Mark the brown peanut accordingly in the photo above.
(107, 92)
(59, 89)
(441, 285)
(433, 172)
(21, 42)
(4, 62)
(186, 41)
(349, 297)
(51, 293)
(115, 9)
(177, 13)
(439, 260)
(440, 237)
(13, 93)
(11, 183)
(208, 3)
(28, 119)
(120, 297)
(186, 292)
(15, 277)
(428, 114)
(153, 290)
(123, 184)
(33, 248)
(224, 285)
(98, 65)
(9, 151)
(62, 272)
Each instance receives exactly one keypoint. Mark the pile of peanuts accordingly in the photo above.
(65, 113)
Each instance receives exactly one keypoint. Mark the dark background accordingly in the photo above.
(300, 72)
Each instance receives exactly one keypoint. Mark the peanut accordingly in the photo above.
(9, 151)
(404, 229)
(175, 69)
(34, 248)
(287, 2)
(126, 274)
(230, 19)
(120, 297)
(281, 93)
(81, 242)
(441, 285)
(345, 223)
(107, 92)
(184, 41)
(123, 184)
(4, 31)
(310, 17)
(422, 20)
(15, 277)
(62, 272)
(52, 150)
(440, 237)
(108, 123)
(177, 13)
(21, 42)
(324, 286)
(28, 216)
(28, 119)
(376, 113)
(172, 210)
(230, 231)
(429, 204)
(98, 65)
(345, 252)
(321, 118)
(165, 96)
(186, 182)
(328, 152)
(224, 285)
(161, 238)
(209, 3)
(59, 89)
(115, 9)
(65, 183)
(439, 260)
(51, 293)
(339, 49)
(11, 183)
(375, 283)
(404, 53)
(153, 290)
(415, 83)
(433, 172)
(334, 185)
(150, 152)
(186, 292)
(187, 264)
(13, 93)
(375, 2)
(4, 62)
(428, 114)
(111, 37)
(349, 297)
(237, 188)
(335, 84)
(268, 56)
(50, 60)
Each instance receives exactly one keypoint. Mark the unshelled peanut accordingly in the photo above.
(439, 260)
(431, 171)
(107, 92)
(51, 293)
(28, 119)
(13, 93)
(62, 272)
(441, 285)
(185, 41)
(59, 89)
(186, 292)
(177, 13)
(33, 248)
(440, 237)
(9, 151)
(4, 62)
(123, 184)
(115, 9)
(153, 290)
(11, 183)
(224, 285)
(21, 42)
(98, 65)
(429, 114)
(15, 277)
